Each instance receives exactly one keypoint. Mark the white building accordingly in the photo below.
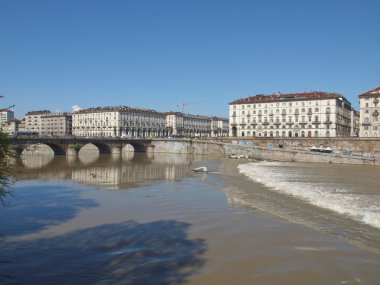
(124, 121)
(309, 114)
(10, 127)
(6, 116)
(369, 113)
(118, 121)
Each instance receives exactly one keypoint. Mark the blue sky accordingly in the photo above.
(159, 53)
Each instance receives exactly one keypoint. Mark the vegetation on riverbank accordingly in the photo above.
(6, 166)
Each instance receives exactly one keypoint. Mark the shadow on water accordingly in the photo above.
(34, 208)
(126, 253)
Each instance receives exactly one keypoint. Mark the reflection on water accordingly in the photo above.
(158, 252)
(37, 161)
(88, 158)
(113, 171)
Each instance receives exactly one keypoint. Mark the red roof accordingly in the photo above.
(278, 97)
(371, 93)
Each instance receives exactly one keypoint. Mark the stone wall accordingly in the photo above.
(187, 146)
(356, 145)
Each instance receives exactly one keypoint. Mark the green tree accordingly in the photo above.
(6, 165)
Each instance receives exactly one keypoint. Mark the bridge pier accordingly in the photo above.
(115, 150)
(72, 151)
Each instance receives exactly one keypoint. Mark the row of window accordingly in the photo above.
(283, 111)
(284, 104)
(283, 134)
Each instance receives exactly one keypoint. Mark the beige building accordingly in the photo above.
(309, 114)
(369, 113)
(188, 125)
(33, 121)
(56, 124)
(219, 127)
(120, 121)
(355, 123)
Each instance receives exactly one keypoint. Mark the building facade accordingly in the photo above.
(219, 127)
(369, 113)
(120, 121)
(355, 123)
(56, 124)
(33, 121)
(6, 116)
(10, 127)
(309, 114)
(187, 125)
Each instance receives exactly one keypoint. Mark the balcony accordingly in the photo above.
(316, 122)
(328, 122)
(366, 124)
(266, 123)
(289, 123)
(309, 112)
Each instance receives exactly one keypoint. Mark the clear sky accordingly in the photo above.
(55, 54)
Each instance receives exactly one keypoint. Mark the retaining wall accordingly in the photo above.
(274, 153)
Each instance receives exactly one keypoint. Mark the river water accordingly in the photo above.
(148, 219)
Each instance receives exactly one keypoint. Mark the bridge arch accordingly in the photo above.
(55, 148)
(138, 147)
(128, 148)
(103, 148)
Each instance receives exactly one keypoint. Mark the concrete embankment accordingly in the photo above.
(268, 153)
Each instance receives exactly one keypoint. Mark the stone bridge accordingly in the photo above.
(71, 145)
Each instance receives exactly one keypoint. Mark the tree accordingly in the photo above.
(6, 166)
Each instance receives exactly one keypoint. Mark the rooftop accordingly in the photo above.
(279, 97)
(371, 93)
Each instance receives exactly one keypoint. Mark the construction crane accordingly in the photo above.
(183, 104)
(4, 109)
